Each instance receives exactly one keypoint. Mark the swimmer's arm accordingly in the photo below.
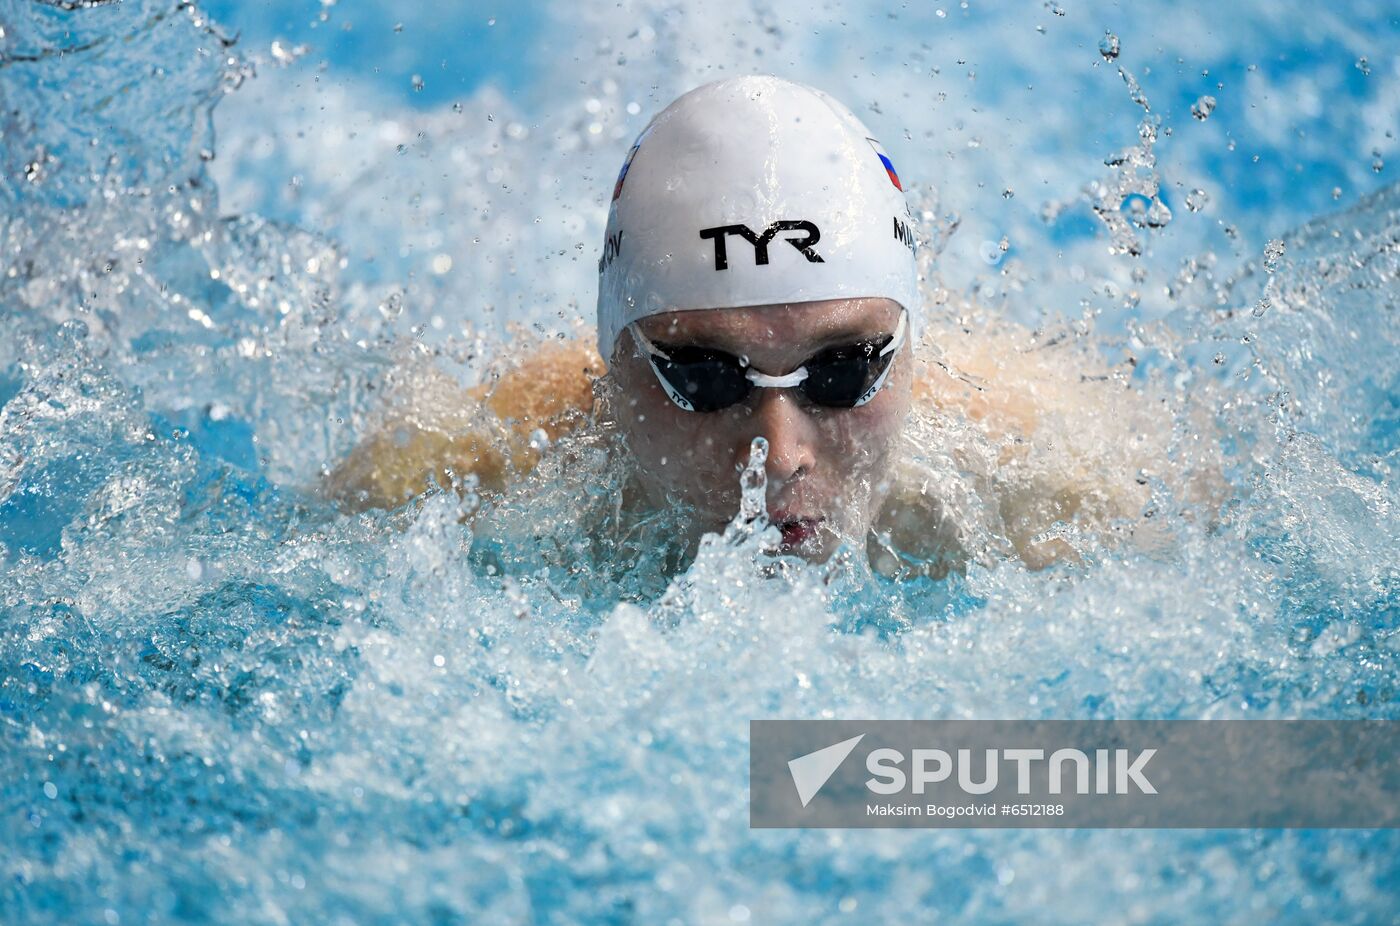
(1068, 441)
(436, 432)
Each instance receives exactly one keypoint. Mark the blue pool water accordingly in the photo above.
(222, 700)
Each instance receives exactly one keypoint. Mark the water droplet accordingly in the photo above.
(1272, 252)
(50, 790)
(1261, 307)
(1158, 214)
(1336, 192)
(1363, 66)
(1109, 46)
(1008, 193)
(417, 83)
(1196, 200)
(1135, 206)
(392, 307)
(491, 22)
(1376, 163)
(754, 481)
(1203, 107)
(398, 27)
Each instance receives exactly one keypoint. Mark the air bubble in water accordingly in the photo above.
(1203, 107)
(1109, 46)
(1197, 199)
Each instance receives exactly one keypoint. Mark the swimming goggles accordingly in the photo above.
(702, 379)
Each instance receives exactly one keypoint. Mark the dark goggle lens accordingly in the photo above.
(708, 380)
(840, 376)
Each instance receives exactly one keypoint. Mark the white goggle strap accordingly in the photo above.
(894, 344)
(652, 352)
(645, 342)
(899, 331)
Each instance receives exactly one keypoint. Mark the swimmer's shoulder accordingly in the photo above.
(434, 431)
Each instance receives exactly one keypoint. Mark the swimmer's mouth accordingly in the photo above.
(796, 531)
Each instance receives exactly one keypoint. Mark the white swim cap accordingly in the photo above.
(753, 191)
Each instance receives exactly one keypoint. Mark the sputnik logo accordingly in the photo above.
(812, 771)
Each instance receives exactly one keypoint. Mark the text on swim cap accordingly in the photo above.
(904, 234)
(760, 242)
(612, 246)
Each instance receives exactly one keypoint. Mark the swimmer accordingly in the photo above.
(758, 277)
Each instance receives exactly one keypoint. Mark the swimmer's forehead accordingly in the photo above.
(802, 324)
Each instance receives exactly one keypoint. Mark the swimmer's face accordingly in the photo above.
(828, 468)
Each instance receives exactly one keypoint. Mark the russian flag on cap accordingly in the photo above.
(632, 153)
(885, 160)
(617, 188)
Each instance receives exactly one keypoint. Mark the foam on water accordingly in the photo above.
(222, 699)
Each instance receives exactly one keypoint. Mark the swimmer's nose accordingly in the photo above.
(790, 433)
